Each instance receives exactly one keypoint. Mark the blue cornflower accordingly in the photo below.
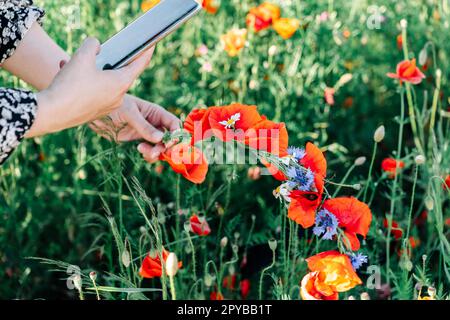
(358, 260)
(297, 153)
(326, 224)
(300, 178)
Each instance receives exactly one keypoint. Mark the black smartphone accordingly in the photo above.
(144, 32)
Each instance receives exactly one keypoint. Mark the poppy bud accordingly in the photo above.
(357, 186)
(272, 51)
(93, 275)
(273, 244)
(187, 226)
(143, 230)
(423, 56)
(172, 265)
(360, 161)
(365, 296)
(224, 242)
(403, 23)
(438, 74)
(351, 298)
(379, 134)
(77, 282)
(420, 159)
(429, 203)
(208, 280)
(126, 258)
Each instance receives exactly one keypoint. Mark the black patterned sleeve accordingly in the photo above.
(17, 107)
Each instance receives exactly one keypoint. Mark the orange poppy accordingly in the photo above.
(211, 6)
(354, 218)
(338, 269)
(232, 122)
(187, 161)
(234, 41)
(148, 4)
(262, 16)
(396, 231)
(389, 165)
(446, 185)
(312, 287)
(304, 204)
(199, 225)
(197, 124)
(286, 27)
(151, 265)
(407, 71)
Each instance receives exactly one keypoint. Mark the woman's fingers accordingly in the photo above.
(88, 51)
(150, 153)
(137, 66)
(143, 127)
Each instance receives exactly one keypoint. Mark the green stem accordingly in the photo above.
(369, 176)
(264, 271)
(172, 288)
(412, 202)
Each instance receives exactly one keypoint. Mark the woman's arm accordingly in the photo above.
(37, 59)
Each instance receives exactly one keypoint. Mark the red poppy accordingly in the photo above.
(232, 122)
(268, 136)
(199, 225)
(245, 288)
(354, 218)
(396, 231)
(229, 282)
(446, 185)
(262, 16)
(187, 161)
(197, 124)
(216, 296)
(422, 218)
(390, 165)
(151, 265)
(305, 203)
(407, 71)
(399, 41)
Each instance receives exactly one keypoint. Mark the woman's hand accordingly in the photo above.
(80, 93)
(137, 119)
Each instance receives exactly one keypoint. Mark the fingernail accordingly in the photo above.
(140, 148)
(158, 136)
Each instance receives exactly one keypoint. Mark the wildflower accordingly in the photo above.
(262, 16)
(446, 184)
(197, 124)
(324, 16)
(283, 192)
(326, 224)
(148, 4)
(224, 242)
(300, 178)
(354, 218)
(207, 67)
(379, 134)
(400, 41)
(254, 173)
(357, 259)
(296, 154)
(234, 41)
(272, 50)
(286, 27)
(422, 218)
(392, 166)
(431, 294)
(329, 95)
(245, 288)
(151, 265)
(216, 296)
(229, 282)
(346, 33)
(396, 231)
(199, 225)
(304, 204)
(331, 273)
(187, 161)
(407, 71)
(172, 264)
(211, 6)
(201, 51)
